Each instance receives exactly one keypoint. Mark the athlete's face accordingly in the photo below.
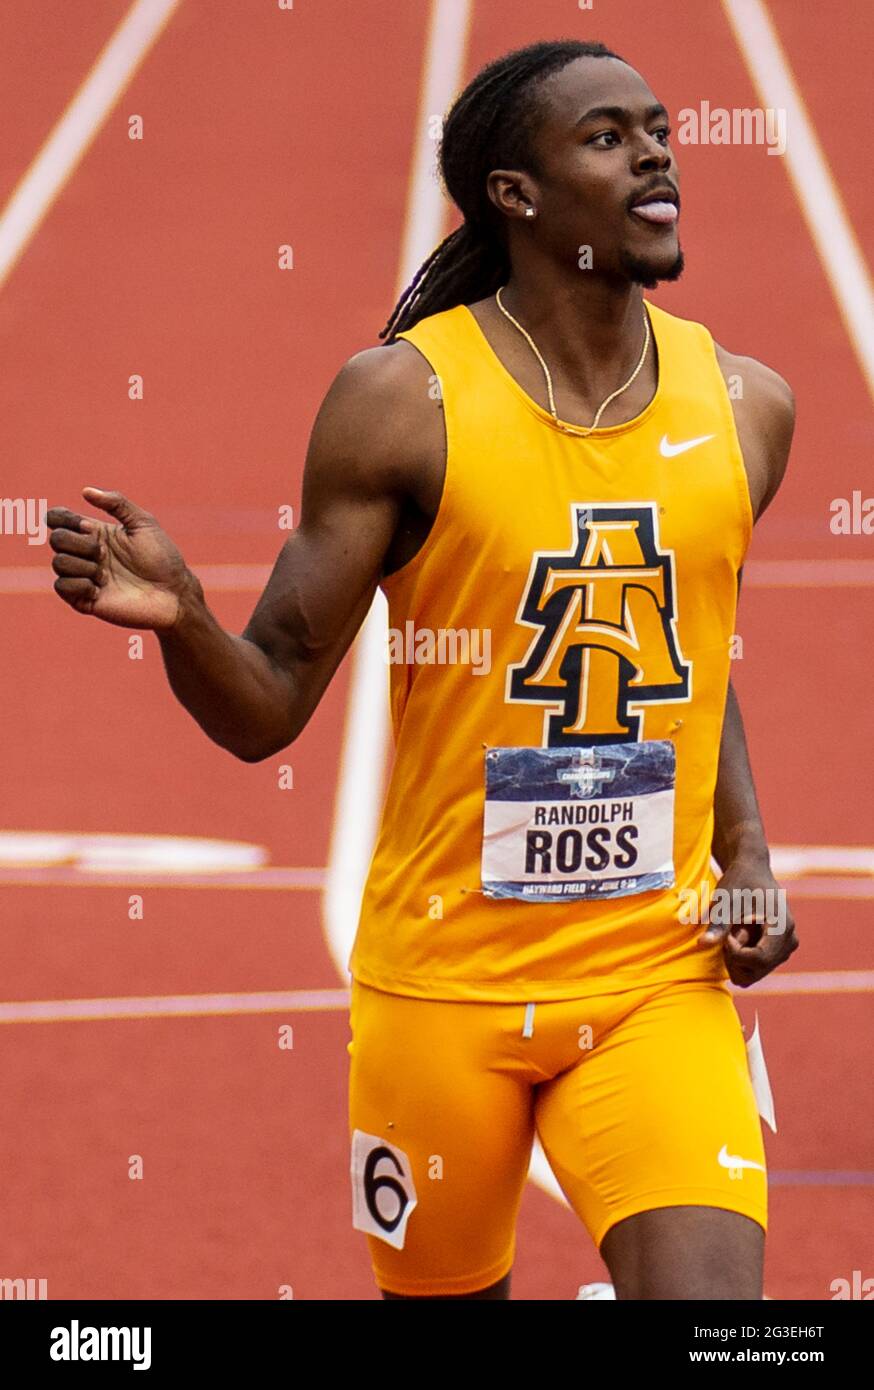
(603, 147)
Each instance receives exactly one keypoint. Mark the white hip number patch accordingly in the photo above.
(383, 1191)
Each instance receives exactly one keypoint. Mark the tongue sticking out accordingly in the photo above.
(656, 212)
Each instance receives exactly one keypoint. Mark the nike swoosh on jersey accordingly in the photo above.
(669, 450)
(727, 1160)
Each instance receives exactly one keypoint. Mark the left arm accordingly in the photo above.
(759, 932)
(738, 830)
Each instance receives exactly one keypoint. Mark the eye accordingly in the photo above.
(663, 133)
(604, 135)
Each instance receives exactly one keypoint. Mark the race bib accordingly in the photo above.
(565, 823)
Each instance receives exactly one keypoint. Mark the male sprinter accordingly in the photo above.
(524, 961)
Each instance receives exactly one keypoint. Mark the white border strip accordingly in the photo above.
(366, 738)
(77, 127)
(818, 196)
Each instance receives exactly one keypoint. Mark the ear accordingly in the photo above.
(513, 193)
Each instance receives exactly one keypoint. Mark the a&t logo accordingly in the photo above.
(605, 615)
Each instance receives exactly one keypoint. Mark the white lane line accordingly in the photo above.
(173, 1006)
(94, 858)
(442, 78)
(798, 861)
(273, 878)
(366, 737)
(102, 851)
(78, 126)
(809, 574)
(794, 982)
(540, 1173)
(827, 887)
(293, 878)
(817, 193)
(813, 982)
(239, 579)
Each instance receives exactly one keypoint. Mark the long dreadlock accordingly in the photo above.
(489, 126)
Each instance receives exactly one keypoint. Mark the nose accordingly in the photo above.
(651, 155)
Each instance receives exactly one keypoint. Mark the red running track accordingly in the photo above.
(262, 128)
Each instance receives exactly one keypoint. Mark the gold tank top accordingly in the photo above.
(573, 603)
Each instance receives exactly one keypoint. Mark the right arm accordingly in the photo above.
(370, 460)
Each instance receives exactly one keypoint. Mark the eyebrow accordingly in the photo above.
(621, 114)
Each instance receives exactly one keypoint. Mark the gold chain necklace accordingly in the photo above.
(573, 429)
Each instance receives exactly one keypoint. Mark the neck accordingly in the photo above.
(588, 329)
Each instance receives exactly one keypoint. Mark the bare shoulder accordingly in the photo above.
(381, 419)
(764, 412)
(765, 390)
(397, 371)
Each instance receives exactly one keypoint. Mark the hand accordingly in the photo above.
(130, 574)
(752, 919)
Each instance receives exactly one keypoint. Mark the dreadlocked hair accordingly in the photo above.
(489, 126)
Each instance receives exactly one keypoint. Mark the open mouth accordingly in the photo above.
(658, 210)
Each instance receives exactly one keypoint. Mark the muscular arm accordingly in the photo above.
(765, 419)
(371, 482)
(738, 830)
(253, 694)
